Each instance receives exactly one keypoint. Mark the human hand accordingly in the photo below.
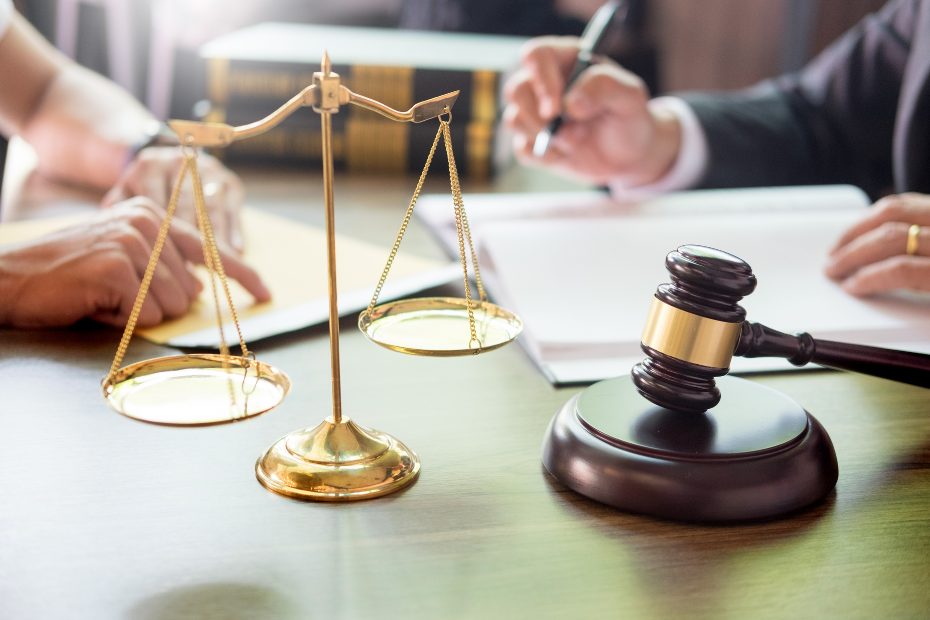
(153, 174)
(871, 256)
(94, 270)
(610, 132)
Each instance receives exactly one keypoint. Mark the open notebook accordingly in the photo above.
(291, 257)
(581, 271)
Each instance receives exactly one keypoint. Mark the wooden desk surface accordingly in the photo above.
(105, 517)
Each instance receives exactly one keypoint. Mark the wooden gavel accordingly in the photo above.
(696, 326)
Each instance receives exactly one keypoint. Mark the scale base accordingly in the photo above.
(337, 462)
(756, 455)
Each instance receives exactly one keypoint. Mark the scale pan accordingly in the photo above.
(195, 390)
(438, 326)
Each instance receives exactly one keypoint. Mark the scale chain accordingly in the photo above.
(214, 266)
(403, 227)
(459, 211)
(212, 260)
(457, 198)
(148, 274)
(463, 232)
(211, 271)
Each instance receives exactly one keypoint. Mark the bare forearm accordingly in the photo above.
(81, 125)
(84, 128)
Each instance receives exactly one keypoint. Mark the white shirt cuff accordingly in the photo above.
(692, 156)
(6, 14)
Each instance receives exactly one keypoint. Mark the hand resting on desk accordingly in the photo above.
(94, 269)
(153, 173)
(872, 256)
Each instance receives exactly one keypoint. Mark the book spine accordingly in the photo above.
(218, 87)
(274, 84)
(480, 128)
(484, 98)
(218, 91)
(242, 92)
(374, 143)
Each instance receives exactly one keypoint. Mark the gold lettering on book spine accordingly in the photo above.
(266, 83)
(478, 137)
(218, 93)
(302, 144)
(218, 82)
(376, 144)
(479, 132)
(484, 96)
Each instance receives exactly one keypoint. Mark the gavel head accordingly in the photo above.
(693, 328)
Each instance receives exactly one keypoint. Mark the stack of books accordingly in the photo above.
(251, 72)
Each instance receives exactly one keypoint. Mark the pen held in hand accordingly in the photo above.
(604, 18)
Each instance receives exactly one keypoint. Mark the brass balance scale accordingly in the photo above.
(338, 460)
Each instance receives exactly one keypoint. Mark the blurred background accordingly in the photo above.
(150, 46)
(153, 49)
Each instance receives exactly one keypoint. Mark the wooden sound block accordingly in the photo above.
(756, 455)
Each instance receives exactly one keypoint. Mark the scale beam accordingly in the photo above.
(213, 135)
(423, 111)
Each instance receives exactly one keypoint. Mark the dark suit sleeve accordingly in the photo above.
(830, 123)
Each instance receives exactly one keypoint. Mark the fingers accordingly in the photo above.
(522, 112)
(887, 240)
(224, 196)
(133, 229)
(246, 276)
(151, 174)
(534, 93)
(131, 235)
(874, 262)
(606, 88)
(547, 61)
(173, 288)
(116, 194)
(898, 272)
(118, 286)
(154, 173)
(870, 257)
(144, 218)
(187, 241)
(537, 89)
(908, 208)
(95, 269)
(522, 117)
(608, 131)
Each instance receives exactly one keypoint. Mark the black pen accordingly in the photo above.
(591, 40)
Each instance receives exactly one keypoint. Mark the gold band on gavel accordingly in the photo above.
(689, 337)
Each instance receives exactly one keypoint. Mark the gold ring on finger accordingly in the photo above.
(912, 240)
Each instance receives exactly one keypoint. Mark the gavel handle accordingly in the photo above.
(757, 340)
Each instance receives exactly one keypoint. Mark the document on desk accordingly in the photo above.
(581, 271)
(291, 258)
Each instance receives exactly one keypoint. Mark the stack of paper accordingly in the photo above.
(581, 271)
